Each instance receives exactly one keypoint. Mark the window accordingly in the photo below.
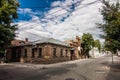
(25, 55)
(61, 52)
(18, 53)
(54, 52)
(22, 42)
(33, 53)
(40, 52)
(66, 52)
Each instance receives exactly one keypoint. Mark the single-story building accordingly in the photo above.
(40, 51)
(94, 53)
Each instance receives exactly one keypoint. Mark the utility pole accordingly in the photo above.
(112, 59)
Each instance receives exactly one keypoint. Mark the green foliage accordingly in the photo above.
(8, 12)
(97, 44)
(111, 25)
(87, 43)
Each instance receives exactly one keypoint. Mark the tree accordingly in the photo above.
(111, 25)
(87, 43)
(97, 44)
(8, 12)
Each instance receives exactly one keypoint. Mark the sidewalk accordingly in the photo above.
(42, 66)
(114, 73)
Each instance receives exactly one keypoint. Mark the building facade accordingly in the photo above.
(94, 52)
(44, 51)
(39, 51)
(76, 47)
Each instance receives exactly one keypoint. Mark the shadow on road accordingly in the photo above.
(56, 71)
(114, 73)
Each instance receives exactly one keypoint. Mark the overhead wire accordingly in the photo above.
(57, 15)
(61, 10)
(58, 11)
(65, 13)
(33, 34)
(60, 14)
(50, 13)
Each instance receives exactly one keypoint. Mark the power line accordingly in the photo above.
(54, 6)
(65, 12)
(34, 34)
(62, 14)
(56, 11)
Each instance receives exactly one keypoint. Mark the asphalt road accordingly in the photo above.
(89, 69)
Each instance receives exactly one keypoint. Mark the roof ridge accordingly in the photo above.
(50, 40)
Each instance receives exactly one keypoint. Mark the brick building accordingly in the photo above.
(76, 47)
(45, 50)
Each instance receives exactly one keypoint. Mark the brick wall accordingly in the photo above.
(47, 53)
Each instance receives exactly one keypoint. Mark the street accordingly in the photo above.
(87, 69)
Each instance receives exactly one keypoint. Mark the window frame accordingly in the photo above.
(54, 52)
(39, 52)
(25, 53)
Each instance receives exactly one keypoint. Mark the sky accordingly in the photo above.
(59, 19)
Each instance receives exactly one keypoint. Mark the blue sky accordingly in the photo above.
(59, 19)
(36, 5)
(40, 6)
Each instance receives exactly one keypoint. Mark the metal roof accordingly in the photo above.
(50, 40)
(45, 40)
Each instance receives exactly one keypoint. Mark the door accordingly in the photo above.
(15, 55)
(71, 54)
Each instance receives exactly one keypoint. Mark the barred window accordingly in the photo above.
(40, 52)
(54, 52)
(61, 52)
(25, 55)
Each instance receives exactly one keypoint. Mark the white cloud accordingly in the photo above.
(55, 13)
(33, 29)
(56, 3)
(25, 10)
(81, 20)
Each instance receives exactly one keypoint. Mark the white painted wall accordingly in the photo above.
(94, 53)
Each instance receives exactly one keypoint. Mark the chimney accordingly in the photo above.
(26, 40)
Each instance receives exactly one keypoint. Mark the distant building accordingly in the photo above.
(76, 47)
(94, 53)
